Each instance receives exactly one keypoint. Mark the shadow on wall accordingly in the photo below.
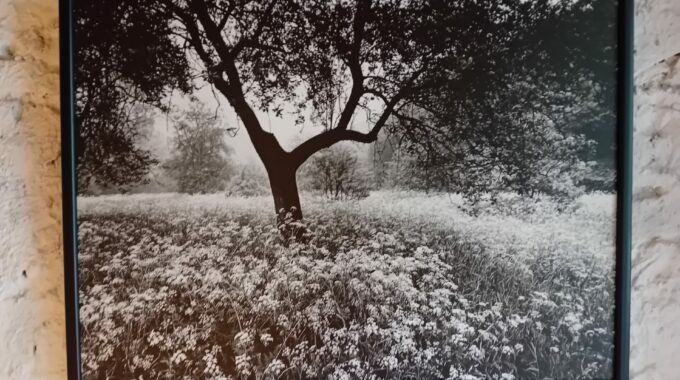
(32, 334)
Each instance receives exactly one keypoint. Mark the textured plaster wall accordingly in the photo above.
(655, 334)
(31, 277)
(655, 340)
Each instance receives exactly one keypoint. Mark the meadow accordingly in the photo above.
(398, 285)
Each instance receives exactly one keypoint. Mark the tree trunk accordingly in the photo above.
(285, 192)
(286, 199)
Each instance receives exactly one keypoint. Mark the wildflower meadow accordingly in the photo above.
(397, 285)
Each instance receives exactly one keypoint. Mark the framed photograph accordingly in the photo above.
(347, 189)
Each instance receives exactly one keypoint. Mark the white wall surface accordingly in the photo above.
(655, 333)
(31, 274)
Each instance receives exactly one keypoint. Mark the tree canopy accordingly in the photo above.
(458, 80)
(126, 58)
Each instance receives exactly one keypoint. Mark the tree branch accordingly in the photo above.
(193, 31)
(354, 64)
(226, 14)
(200, 9)
(264, 142)
(328, 138)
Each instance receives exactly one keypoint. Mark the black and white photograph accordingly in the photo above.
(346, 189)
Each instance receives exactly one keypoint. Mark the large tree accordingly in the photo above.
(427, 69)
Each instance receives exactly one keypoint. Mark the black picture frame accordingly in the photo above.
(623, 185)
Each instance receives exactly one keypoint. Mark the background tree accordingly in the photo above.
(249, 180)
(200, 163)
(337, 174)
